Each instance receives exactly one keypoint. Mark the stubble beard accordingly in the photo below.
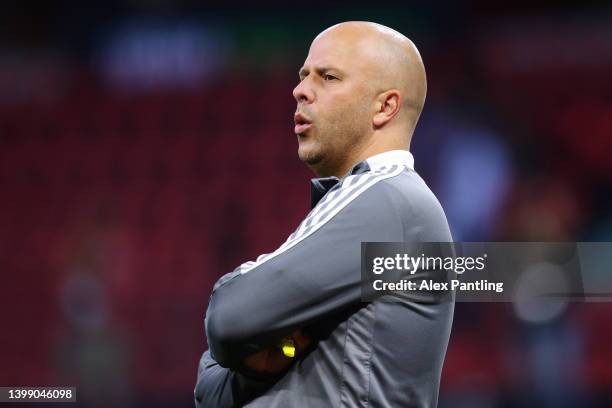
(335, 143)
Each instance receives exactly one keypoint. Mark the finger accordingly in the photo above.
(301, 340)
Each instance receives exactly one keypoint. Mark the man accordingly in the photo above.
(361, 92)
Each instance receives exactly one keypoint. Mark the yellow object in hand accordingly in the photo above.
(288, 346)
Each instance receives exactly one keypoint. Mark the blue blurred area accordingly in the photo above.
(143, 146)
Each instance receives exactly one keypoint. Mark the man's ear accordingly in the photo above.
(387, 105)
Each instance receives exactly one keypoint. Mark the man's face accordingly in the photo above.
(334, 102)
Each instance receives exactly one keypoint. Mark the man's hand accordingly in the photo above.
(271, 360)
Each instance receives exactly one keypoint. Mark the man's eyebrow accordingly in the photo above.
(319, 70)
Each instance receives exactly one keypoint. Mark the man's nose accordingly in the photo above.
(303, 92)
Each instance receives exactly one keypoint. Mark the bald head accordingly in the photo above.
(392, 60)
(362, 88)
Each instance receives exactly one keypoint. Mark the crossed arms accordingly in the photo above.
(296, 288)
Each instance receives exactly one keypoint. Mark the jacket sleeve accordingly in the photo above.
(219, 387)
(316, 276)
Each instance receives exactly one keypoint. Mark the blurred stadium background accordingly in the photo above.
(144, 144)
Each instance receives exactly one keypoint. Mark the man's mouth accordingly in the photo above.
(302, 123)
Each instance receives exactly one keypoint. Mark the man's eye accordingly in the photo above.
(328, 77)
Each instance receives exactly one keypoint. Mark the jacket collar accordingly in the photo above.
(320, 186)
(398, 157)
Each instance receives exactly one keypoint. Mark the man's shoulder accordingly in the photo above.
(404, 190)
(410, 186)
(389, 196)
(408, 197)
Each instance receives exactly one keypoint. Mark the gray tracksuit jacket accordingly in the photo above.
(376, 354)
